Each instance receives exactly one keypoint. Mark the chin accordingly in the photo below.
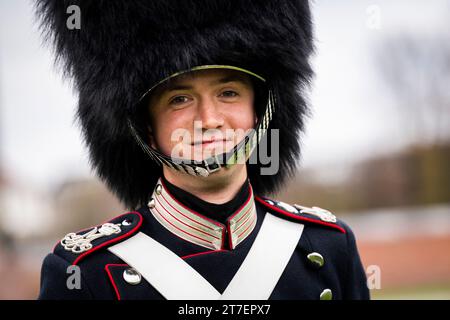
(231, 172)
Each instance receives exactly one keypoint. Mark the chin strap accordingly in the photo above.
(213, 164)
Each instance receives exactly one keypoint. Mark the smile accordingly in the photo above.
(210, 142)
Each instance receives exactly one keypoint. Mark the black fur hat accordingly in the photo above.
(124, 47)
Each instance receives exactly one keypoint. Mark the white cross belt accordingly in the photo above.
(175, 279)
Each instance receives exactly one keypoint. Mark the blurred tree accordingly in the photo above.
(415, 176)
(416, 70)
(83, 204)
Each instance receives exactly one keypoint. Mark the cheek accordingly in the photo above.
(243, 117)
(170, 126)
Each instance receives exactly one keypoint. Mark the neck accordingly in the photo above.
(218, 188)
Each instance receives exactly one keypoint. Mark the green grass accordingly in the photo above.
(423, 292)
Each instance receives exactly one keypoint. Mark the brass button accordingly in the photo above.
(316, 259)
(326, 295)
(131, 276)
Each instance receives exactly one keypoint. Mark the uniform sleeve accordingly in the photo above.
(356, 280)
(57, 279)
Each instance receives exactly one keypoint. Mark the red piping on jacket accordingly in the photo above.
(112, 279)
(299, 217)
(195, 213)
(201, 253)
(112, 240)
(90, 228)
(182, 205)
(194, 236)
(181, 221)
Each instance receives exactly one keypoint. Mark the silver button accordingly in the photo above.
(316, 258)
(126, 222)
(151, 203)
(326, 295)
(158, 189)
(131, 276)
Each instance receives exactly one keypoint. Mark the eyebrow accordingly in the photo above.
(232, 78)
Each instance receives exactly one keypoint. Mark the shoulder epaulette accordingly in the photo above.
(76, 246)
(299, 213)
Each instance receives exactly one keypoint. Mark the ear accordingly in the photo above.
(151, 137)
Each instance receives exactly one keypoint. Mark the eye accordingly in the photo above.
(229, 94)
(178, 100)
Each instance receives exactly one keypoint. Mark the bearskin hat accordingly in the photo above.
(124, 47)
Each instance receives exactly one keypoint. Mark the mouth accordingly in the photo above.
(209, 142)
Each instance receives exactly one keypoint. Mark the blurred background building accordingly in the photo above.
(376, 151)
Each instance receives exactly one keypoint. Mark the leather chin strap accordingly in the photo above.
(239, 154)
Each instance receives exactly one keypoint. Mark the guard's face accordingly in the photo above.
(201, 113)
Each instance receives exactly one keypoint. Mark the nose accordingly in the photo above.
(209, 114)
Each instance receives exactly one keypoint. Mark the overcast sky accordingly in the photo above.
(40, 144)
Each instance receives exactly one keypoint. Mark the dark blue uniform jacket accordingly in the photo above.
(102, 271)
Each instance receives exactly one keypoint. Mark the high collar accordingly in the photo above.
(197, 228)
(218, 212)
